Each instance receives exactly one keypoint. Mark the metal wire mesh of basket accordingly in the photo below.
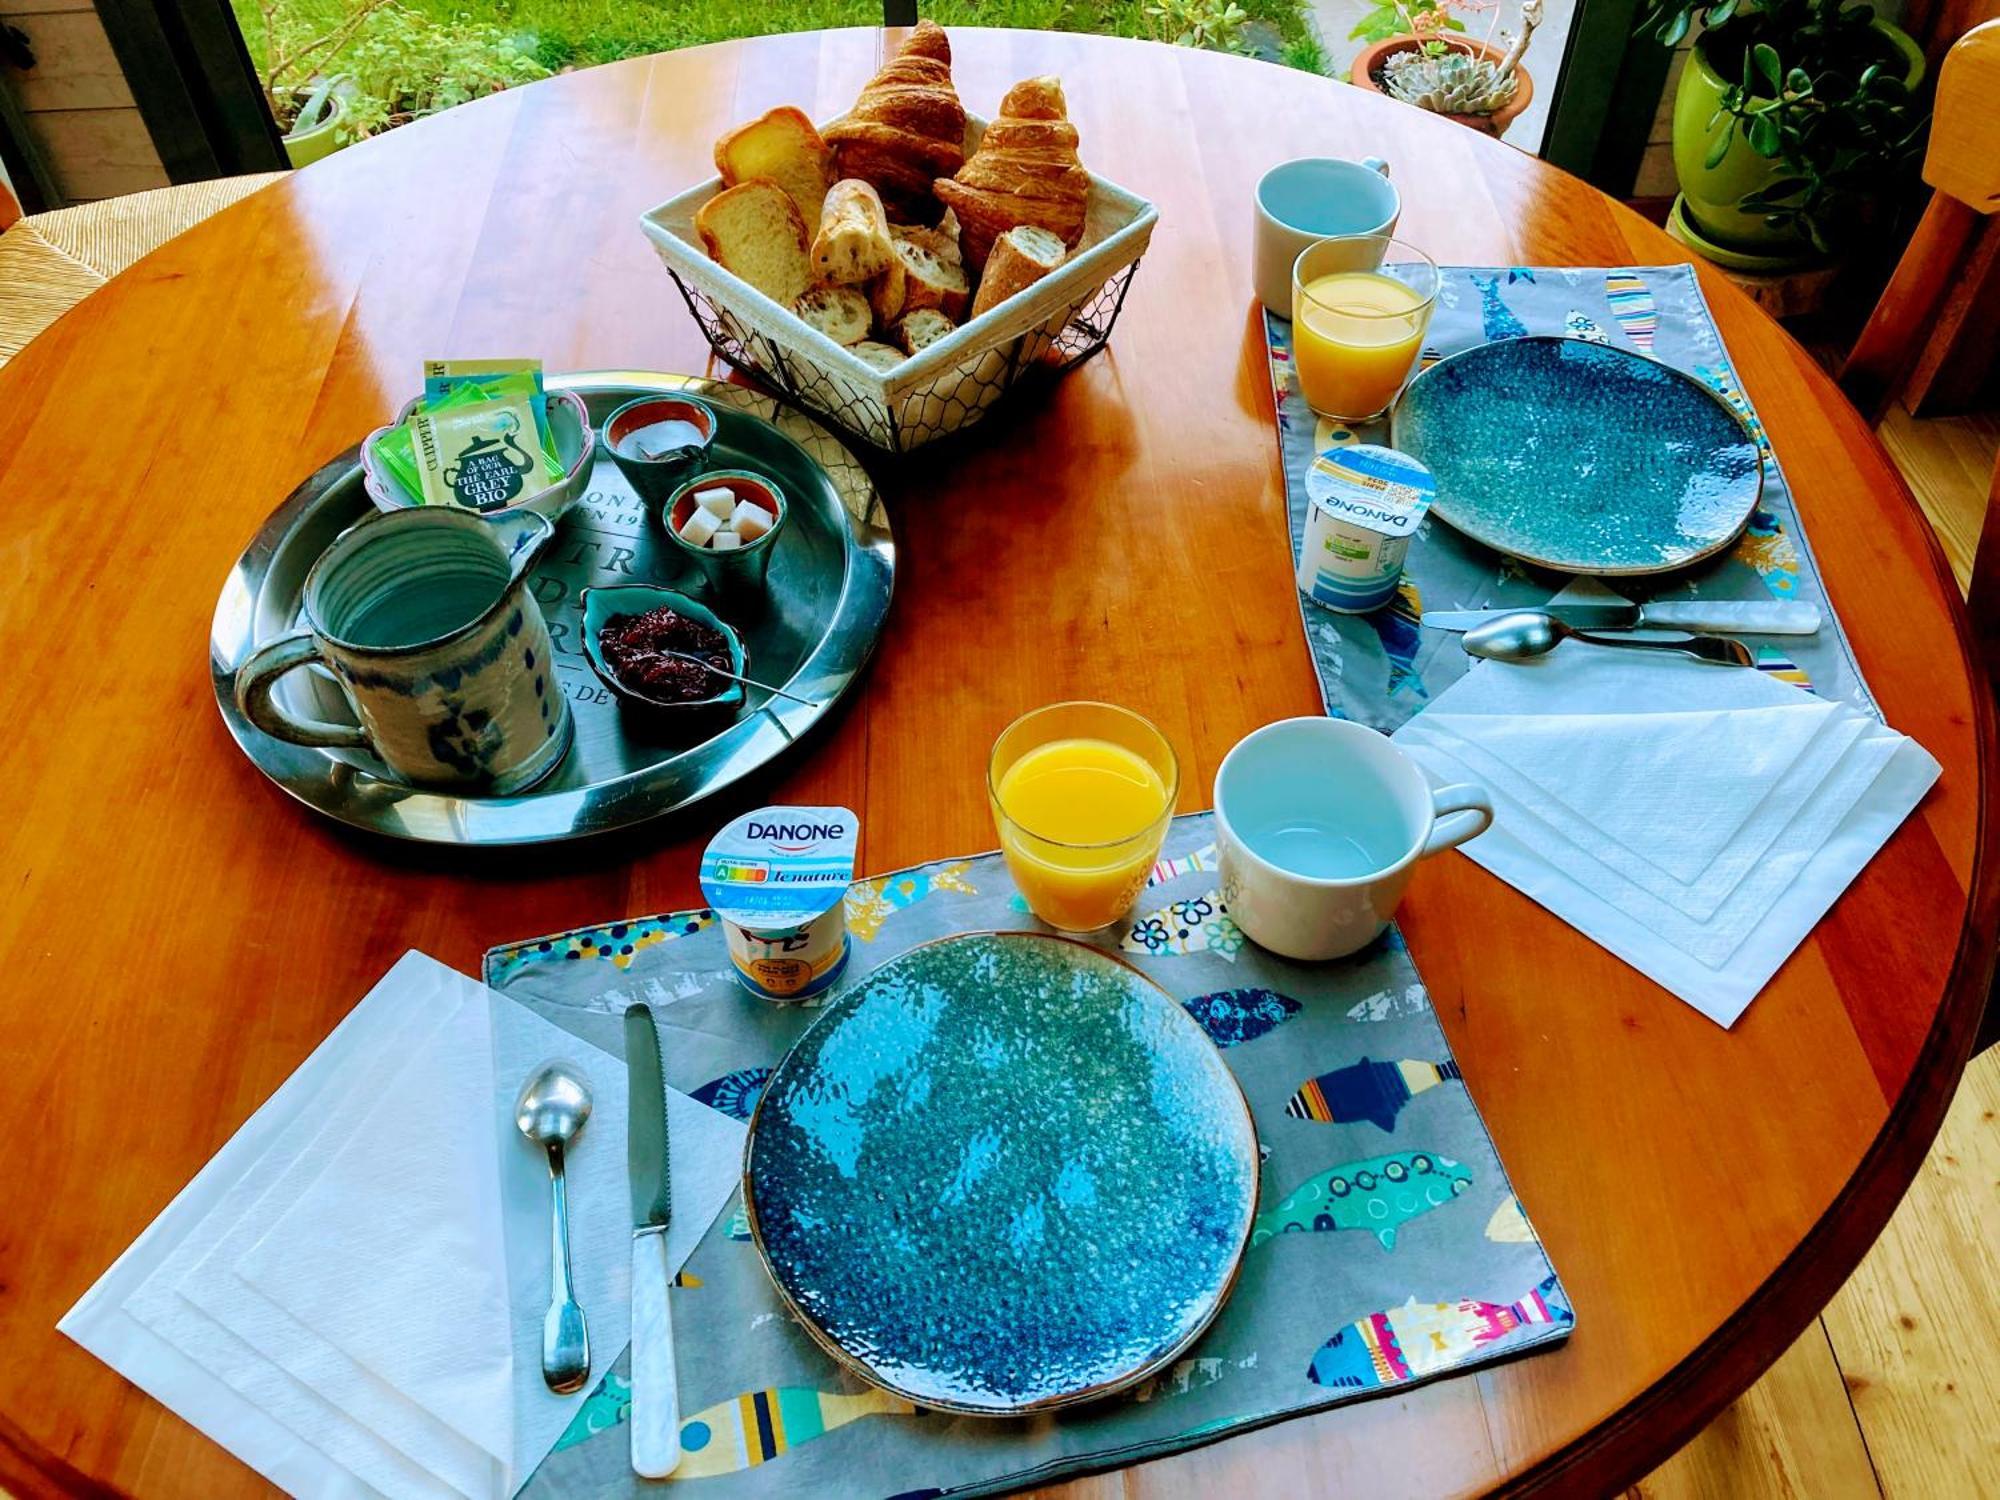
(1054, 325)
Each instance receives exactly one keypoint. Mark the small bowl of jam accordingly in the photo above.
(654, 648)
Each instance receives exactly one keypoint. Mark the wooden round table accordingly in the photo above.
(176, 934)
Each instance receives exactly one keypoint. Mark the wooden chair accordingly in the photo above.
(1934, 297)
(1943, 293)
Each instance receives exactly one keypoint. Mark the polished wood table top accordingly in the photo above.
(176, 934)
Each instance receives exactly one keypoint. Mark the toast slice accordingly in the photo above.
(784, 146)
(756, 231)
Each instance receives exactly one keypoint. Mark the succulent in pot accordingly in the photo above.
(1476, 81)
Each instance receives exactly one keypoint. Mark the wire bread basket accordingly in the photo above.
(1056, 324)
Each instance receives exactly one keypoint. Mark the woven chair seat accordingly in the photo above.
(50, 262)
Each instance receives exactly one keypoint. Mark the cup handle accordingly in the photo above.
(1459, 812)
(1375, 164)
(259, 675)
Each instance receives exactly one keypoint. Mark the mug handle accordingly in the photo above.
(1448, 828)
(1375, 164)
(259, 675)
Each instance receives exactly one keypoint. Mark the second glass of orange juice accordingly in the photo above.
(1082, 794)
(1361, 304)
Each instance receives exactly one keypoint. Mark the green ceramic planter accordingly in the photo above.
(1711, 194)
(309, 146)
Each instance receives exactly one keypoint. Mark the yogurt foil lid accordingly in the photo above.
(780, 866)
(1372, 487)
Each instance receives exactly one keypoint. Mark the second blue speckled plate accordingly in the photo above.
(1581, 456)
(1003, 1173)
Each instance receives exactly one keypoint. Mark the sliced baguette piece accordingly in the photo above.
(881, 356)
(888, 292)
(922, 328)
(785, 146)
(853, 243)
(755, 230)
(839, 312)
(934, 279)
(1021, 257)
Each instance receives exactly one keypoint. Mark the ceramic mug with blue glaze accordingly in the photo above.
(425, 618)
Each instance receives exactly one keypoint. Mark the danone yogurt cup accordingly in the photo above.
(777, 879)
(1363, 504)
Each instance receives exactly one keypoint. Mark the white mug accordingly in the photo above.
(1313, 199)
(1319, 825)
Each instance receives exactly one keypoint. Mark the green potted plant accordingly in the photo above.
(1476, 81)
(311, 112)
(1795, 124)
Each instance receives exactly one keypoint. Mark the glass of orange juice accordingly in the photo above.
(1361, 304)
(1082, 794)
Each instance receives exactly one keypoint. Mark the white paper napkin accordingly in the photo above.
(1695, 820)
(319, 1299)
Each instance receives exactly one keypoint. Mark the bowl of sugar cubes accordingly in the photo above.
(726, 523)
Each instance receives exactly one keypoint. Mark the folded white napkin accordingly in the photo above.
(1695, 820)
(350, 1296)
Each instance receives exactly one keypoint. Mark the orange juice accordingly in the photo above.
(1356, 336)
(1082, 821)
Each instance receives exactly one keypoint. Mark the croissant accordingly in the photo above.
(905, 129)
(1026, 171)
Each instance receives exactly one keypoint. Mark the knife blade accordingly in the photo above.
(1751, 616)
(656, 1418)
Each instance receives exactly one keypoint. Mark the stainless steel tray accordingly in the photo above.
(830, 582)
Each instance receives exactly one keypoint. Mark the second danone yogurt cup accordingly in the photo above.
(1363, 504)
(777, 879)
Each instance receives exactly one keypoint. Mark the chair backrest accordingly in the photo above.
(1963, 160)
(1962, 165)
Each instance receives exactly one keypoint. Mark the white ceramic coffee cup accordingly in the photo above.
(1319, 826)
(1314, 198)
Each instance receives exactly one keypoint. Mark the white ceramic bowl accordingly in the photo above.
(569, 425)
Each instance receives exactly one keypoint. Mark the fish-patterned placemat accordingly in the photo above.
(1389, 1248)
(1383, 667)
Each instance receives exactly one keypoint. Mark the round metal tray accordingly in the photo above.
(830, 583)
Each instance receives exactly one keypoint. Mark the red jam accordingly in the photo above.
(635, 647)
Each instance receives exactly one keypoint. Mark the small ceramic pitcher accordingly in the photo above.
(426, 619)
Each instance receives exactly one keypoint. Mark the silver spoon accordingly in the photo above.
(1528, 634)
(700, 661)
(553, 1105)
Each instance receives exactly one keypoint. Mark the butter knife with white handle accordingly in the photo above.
(656, 1415)
(1747, 616)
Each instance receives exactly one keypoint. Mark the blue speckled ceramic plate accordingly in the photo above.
(1003, 1173)
(1580, 456)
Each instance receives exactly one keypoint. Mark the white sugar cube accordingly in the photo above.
(749, 520)
(725, 541)
(718, 502)
(699, 527)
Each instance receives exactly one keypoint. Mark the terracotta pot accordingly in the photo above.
(1369, 63)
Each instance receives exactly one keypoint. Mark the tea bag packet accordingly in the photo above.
(398, 452)
(482, 455)
(444, 376)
